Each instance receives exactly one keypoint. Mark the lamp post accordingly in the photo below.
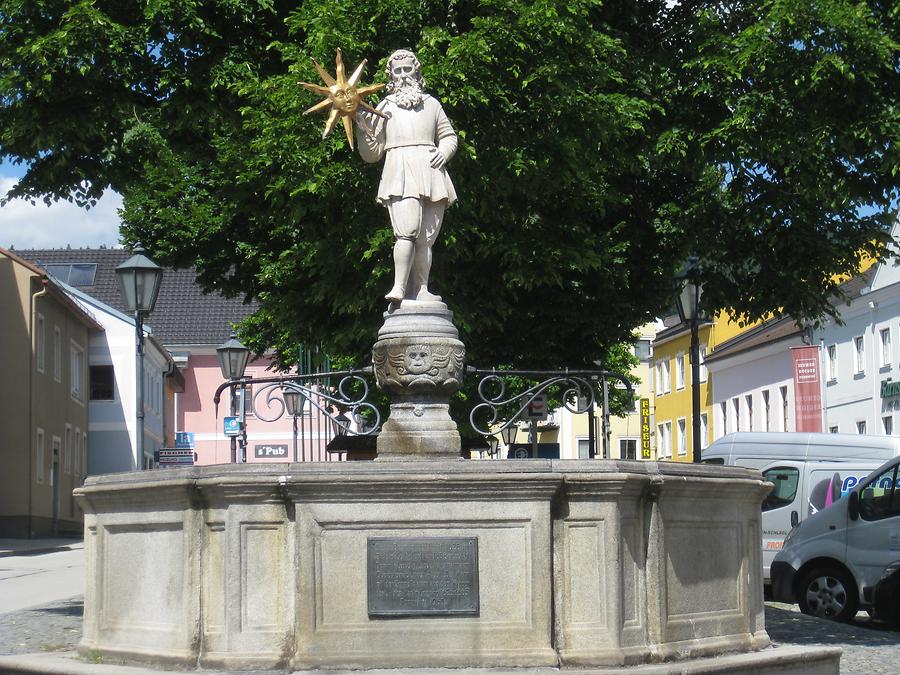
(688, 304)
(139, 279)
(294, 402)
(233, 357)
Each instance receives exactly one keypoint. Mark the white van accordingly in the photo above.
(810, 471)
(831, 563)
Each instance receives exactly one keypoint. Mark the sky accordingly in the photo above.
(25, 225)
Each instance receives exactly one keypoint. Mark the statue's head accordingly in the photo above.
(404, 72)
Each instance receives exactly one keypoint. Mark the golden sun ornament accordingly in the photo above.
(341, 95)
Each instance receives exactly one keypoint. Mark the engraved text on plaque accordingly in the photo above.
(423, 576)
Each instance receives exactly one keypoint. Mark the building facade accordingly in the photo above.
(44, 344)
(112, 391)
(672, 388)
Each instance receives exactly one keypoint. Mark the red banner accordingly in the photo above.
(807, 388)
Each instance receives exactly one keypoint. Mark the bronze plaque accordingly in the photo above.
(424, 576)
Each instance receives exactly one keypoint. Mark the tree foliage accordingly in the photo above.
(600, 145)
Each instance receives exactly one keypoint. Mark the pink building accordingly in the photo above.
(191, 325)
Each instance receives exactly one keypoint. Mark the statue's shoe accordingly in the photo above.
(395, 294)
(424, 296)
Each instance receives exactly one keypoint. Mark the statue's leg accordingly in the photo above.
(406, 219)
(432, 217)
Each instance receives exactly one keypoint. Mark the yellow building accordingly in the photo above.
(624, 441)
(671, 400)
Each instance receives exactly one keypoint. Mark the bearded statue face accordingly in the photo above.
(405, 79)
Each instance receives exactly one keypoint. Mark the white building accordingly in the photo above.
(752, 382)
(861, 355)
(753, 388)
(112, 390)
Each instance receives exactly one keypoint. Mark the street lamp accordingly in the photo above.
(233, 357)
(493, 444)
(340, 424)
(688, 305)
(508, 434)
(293, 402)
(139, 279)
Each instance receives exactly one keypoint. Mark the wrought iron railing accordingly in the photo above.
(345, 408)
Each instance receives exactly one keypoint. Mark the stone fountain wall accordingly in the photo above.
(578, 563)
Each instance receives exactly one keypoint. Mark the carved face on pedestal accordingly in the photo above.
(418, 359)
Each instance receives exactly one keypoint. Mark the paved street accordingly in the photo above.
(36, 574)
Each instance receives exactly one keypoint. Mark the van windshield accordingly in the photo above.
(785, 479)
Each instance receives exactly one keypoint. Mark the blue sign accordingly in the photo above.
(233, 426)
(184, 439)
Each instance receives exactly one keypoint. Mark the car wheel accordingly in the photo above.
(829, 593)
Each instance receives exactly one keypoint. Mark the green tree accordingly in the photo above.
(601, 143)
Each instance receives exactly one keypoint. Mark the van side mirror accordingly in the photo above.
(795, 518)
(853, 506)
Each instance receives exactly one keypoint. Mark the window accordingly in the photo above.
(627, 448)
(664, 440)
(103, 383)
(783, 391)
(77, 372)
(663, 384)
(724, 409)
(682, 436)
(39, 456)
(859, 349)
(748, 401)
(885, 335)
(833, 430)
(40, 358)
(879, 498)
(861, 427)
(74, 274)
(767, 418)
(668, 439)
(831, 363)
(702, 363)
(238, 396)
(77, 451)
(67, 450)
(584, 448)
(57, 354)
(735, 413)
(785, 479)
(704, 430)
(887, 424)
(642, 350)
(84, 457)
(679, 371)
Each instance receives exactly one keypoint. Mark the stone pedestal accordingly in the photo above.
(419, 360)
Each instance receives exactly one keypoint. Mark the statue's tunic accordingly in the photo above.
(407, 141)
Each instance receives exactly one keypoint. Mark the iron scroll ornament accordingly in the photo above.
(314, 387)
(577, 396)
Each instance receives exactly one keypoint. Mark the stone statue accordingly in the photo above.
(416, 140)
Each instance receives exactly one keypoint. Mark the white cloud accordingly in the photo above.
(26, 225)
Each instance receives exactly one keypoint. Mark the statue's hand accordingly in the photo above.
(437, 159)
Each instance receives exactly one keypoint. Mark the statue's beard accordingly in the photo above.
(408, 94)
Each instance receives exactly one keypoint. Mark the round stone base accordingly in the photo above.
(419, 431)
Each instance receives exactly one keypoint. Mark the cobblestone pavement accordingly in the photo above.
(53, 627)
(868, 647)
